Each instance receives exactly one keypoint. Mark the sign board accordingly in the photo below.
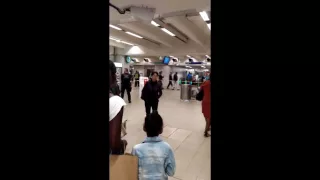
(118, 73)
(142, 82)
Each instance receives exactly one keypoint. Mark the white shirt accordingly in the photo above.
(115, 105)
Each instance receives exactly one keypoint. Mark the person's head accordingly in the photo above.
(112, 74)
(126, 70)
(176, 73)
(153, 124)
(154, 76)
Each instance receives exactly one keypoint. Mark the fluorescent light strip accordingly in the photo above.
(121, 41)
(127, 43)
(115, 27)
(155, 24)
(168, 32)
(113, 39)
(209, 26)
(132, 34)
(204, 16)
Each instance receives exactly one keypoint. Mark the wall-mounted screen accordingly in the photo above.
(166, 60)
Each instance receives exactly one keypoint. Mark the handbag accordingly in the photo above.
(200, 95)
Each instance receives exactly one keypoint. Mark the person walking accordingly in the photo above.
(151, 93)
(126, 80)
(136, 78)
(206, 104)
(175, 79)
(170, 81)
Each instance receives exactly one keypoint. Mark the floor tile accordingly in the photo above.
(180, 134)
(167, 131)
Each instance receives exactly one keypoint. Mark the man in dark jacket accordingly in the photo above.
(126, 80)
(151, 93)
(136, 79)
(170, 81)
(175, 79)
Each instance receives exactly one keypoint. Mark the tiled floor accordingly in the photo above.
(184, 126)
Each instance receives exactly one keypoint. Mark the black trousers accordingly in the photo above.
(136, 83)
(151, 104)
(128, 89)
(170, 84)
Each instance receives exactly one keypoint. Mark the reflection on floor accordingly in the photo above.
(184, 126)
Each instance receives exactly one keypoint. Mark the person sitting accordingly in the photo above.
(156, 158)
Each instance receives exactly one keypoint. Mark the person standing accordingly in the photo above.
(175, 79)
(160, 79)
(136, 78)
(156, 157)
(116, 105)
(206, 104)
(170, 81)
(126, 80)
(151, 93)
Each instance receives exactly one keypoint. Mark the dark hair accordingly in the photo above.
(154, 73)
(153, 124)
(113, 71)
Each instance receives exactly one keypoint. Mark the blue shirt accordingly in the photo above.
(156, 159)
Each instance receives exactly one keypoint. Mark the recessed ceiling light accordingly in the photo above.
(168, 32)
(115, 27)
(132, 34)
(155, 24)
(209, 26)
(204, 16)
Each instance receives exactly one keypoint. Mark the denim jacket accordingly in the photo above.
(156, 159)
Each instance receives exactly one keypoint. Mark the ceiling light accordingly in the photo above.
(127, 43)
(132, 34)
(209, 26)
(115, 27)
(119, 41)
(204, 16)
(168, 32)
(113, 39)
(155, 24)
(207, 56)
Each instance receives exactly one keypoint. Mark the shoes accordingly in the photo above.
(206, 134)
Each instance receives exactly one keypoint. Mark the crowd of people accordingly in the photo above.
(156, 157)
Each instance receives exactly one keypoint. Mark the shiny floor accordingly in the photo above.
(184, 127)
